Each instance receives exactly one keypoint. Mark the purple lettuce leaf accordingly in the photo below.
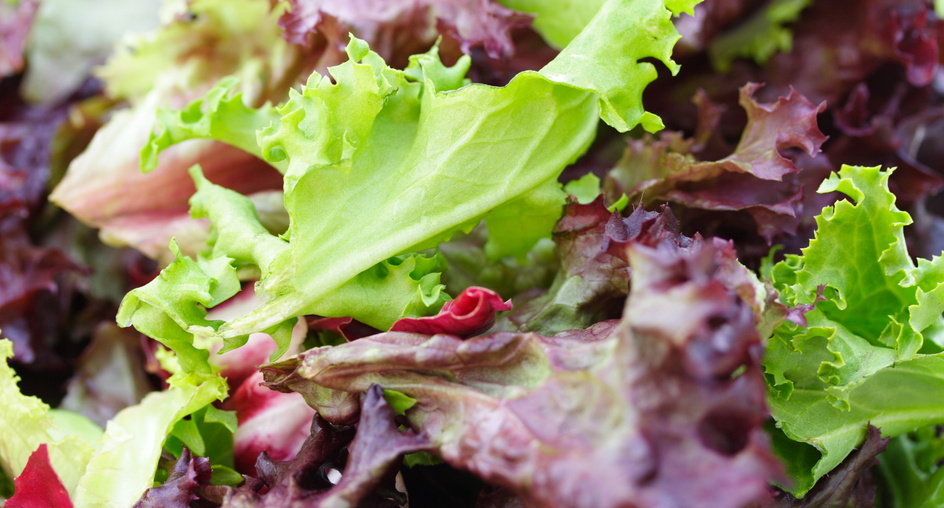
(592, 281)
(889, 45)
(367, 458)
(26, 136)
(37, 282)
(826, 60)
(758, 177)
(375, 452)
(369, 463)
(305, 473)
(181, 488)
(34, 284)
(399, 29)
(590, 286)
(896, 130)
(675, 386)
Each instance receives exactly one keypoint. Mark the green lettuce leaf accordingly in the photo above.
(557, 21)
(760, 36)
(910, 469)
(380, 162)
(231, 120)
(871, 352)
(110, 469)
(124, 465)
(27, 422)
(184, 45)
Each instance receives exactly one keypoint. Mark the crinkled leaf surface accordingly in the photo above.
(557, 417)
(408, 158)
(758, 176)
(473, 22)
(371, 458)
(869, 354)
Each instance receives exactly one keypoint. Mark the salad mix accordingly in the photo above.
(660, 253)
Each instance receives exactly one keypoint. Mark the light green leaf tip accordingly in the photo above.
(220, 115)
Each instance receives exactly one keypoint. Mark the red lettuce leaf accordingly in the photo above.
(894, 132)
(590, 286)
(470, 313)
(675, 387)
(399, 29)
(828, 58)
(38, 486)
(376, 450)
(758, 177)
(594, 276)
(34, 296)
(347, 328)
(368, 458)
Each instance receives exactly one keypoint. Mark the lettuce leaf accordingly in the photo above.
(760, 36)
(759, 176)
(123, 466)
(395, 27)
(557, 21)
(676, 386)
(28, 423)
(110, 469)
(68, 38)
(910, 469)
(171, 66)
(380, 162)
(872, 350)
(39, 485)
